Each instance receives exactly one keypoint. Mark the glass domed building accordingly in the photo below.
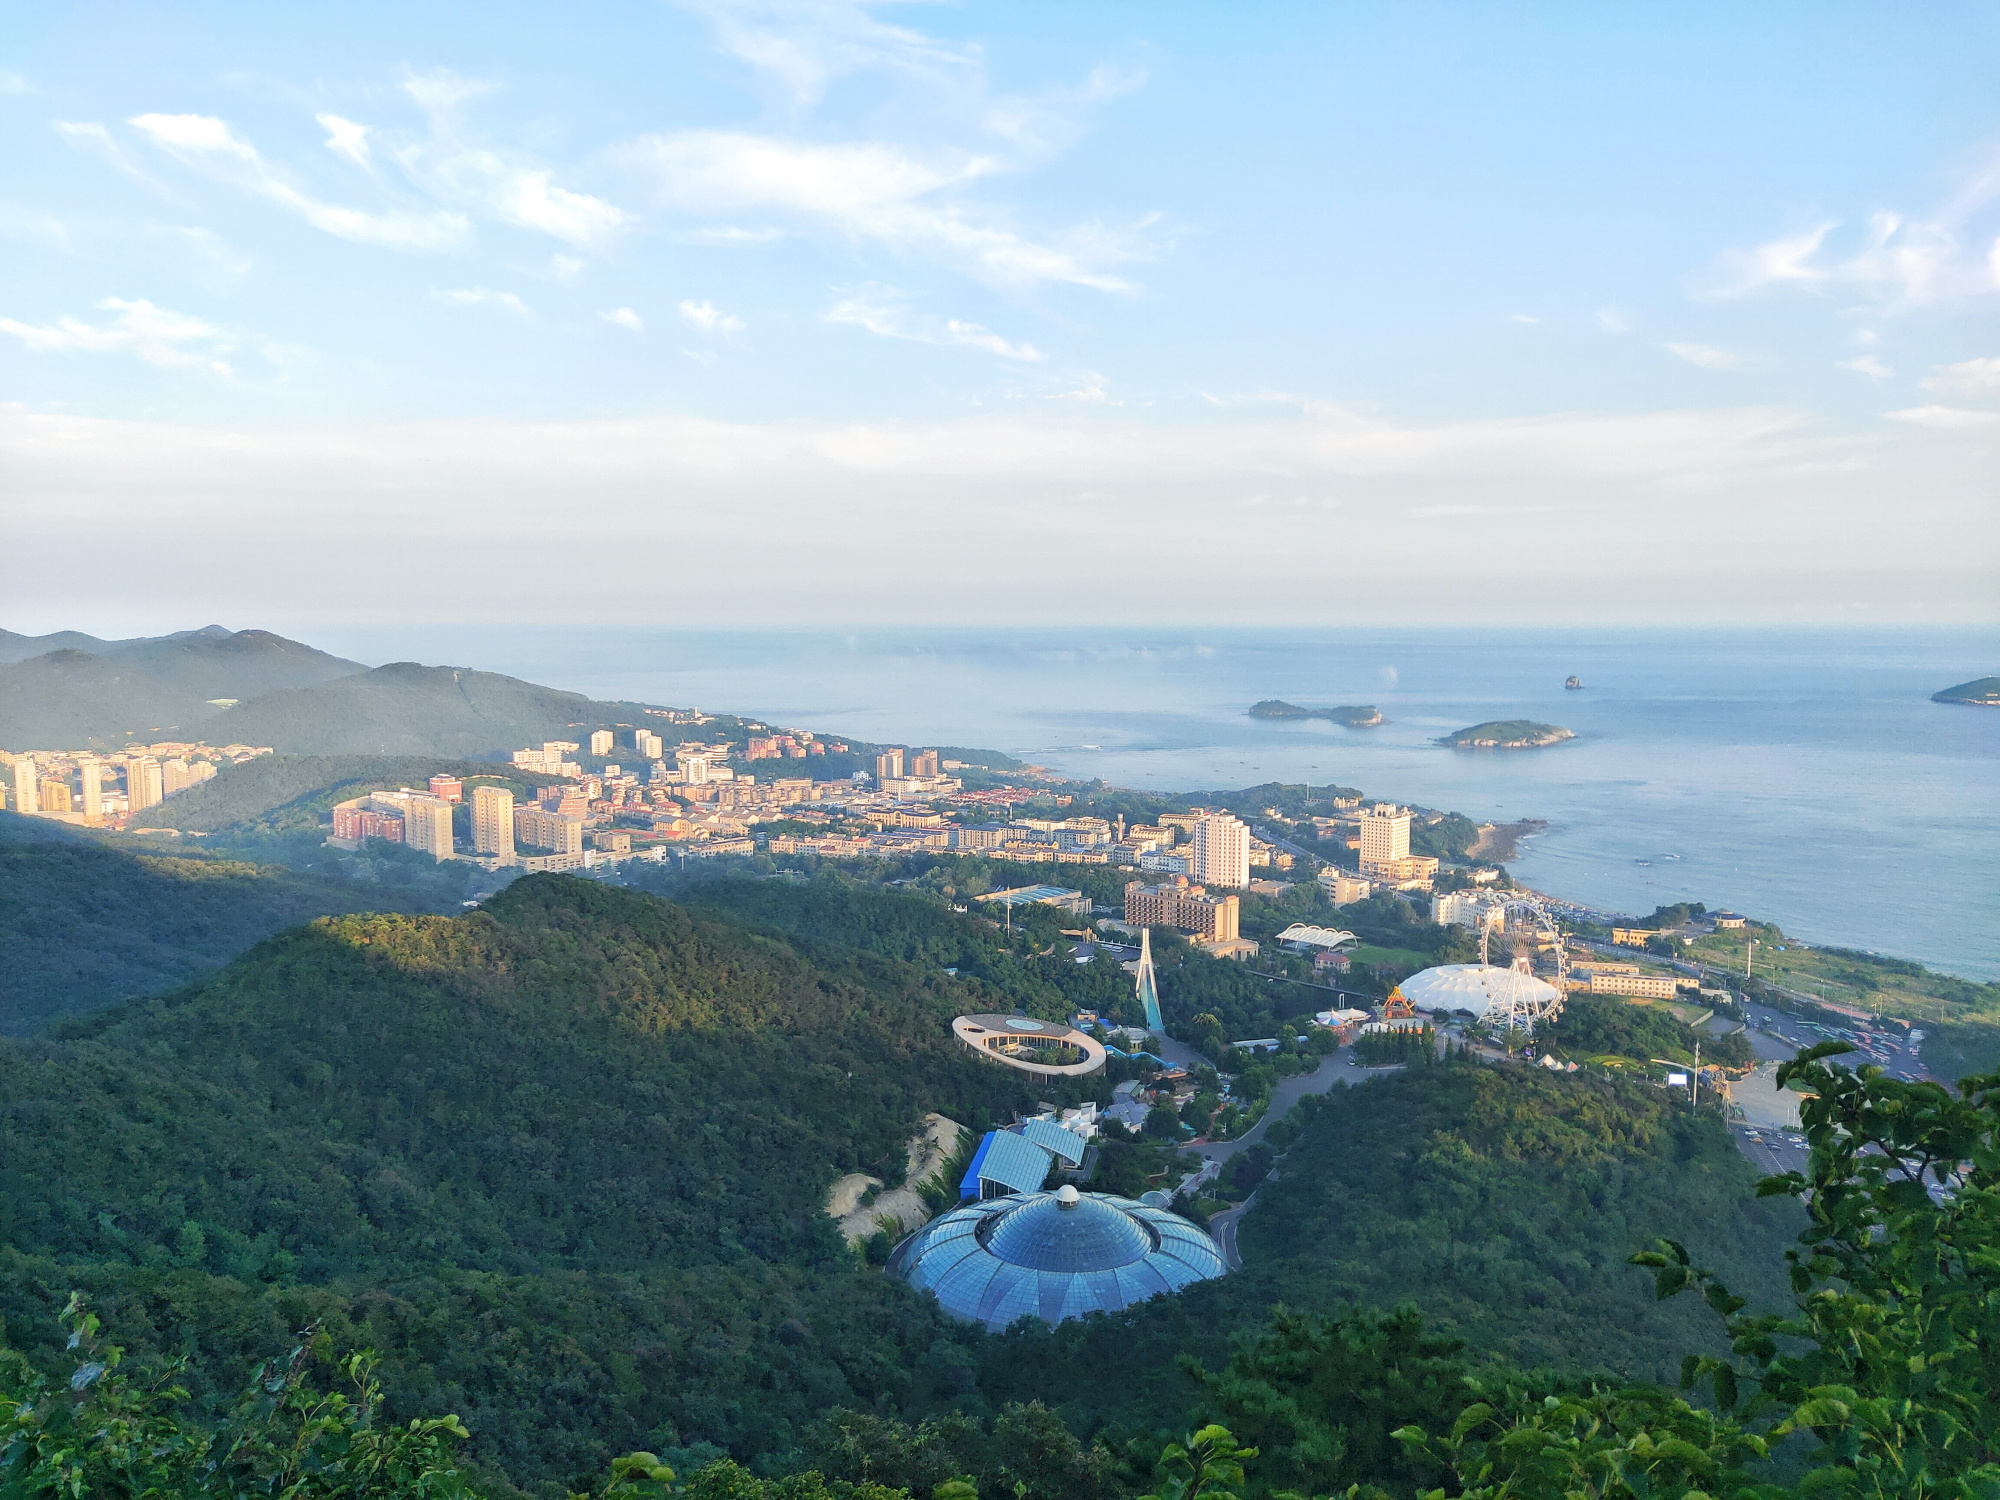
(1053, 1256)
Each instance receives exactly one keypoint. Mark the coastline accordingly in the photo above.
(1501, 842)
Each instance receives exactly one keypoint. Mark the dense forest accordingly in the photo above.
(87, 924)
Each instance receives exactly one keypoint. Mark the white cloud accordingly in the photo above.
(347, 139)
(88, 135)
(881, 312)
(805, 44)
(624, 317)
(518, 193)
(1611, 320)
(477, 296)
(875, 191)
(1970, 377)
(14, 83)
(157, 335)
(1950, 418)
(1708, 358)
(710, 319)
(1867, 364)
(566, 268)
(1901, 261)
(211, 145)
(1522, 318)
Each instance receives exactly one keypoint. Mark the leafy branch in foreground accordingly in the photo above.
(1886, 1363)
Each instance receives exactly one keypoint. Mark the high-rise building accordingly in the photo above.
(924, 763)
(173, 776)
(1221, 852)
(91, 773)
(888, 766)
(427, 824)
(27, 796)
(600, 741)
(647, 744)
(694, 766)
(142, 783)
(53, 793)
(539, 829)
(1385, 835)
(493, 821)
(451, 788)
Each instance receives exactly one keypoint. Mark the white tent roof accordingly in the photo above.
(1472, 987)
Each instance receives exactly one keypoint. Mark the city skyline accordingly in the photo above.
(1176, 311)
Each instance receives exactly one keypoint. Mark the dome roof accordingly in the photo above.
(1471, 987)
(1053, 1256)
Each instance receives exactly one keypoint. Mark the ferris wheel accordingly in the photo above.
(1519, 1001)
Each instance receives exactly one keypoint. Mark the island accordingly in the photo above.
(1981, 690)
(1508, 734)
(1353, 715)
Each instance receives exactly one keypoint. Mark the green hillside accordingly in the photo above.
(1985, 690)
(561, 1159)
(1501, 1202)
(86, 924)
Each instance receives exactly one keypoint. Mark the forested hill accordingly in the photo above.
(86, 923)
(576, 1138)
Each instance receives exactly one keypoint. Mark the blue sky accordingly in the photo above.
(819, 311)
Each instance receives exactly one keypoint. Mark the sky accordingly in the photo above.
(782, 313)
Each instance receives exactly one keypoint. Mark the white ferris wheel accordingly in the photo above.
(1522, 998)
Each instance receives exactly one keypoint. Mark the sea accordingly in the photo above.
(1801, 776)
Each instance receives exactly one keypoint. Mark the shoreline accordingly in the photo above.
(1501, 842)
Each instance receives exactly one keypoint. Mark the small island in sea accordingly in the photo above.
(1353, 715)
(1982, 690)
(1508, 734)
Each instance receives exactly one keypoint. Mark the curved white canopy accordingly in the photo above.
(1475, 988)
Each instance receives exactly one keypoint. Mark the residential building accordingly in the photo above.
(925, 763)
(142, 783)
(1635, 986)
(493, 821)
(427, 824)
(1344, 888)
(647, 744)
(27, 794)
(888, 765)
(1632, 937)
(1474, 909)
(90, 772)
(600, 741)
(173, 776)
(1185, 907)
(553, 831)
(359, 819)
(53, 794)
(613, 843)
(1385, 835)
(450, 788)
(1221, 852)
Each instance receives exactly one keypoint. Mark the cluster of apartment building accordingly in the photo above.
(1210, 919)
(84, 787)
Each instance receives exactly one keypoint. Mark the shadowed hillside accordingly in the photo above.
(143, 690)
(408, 709)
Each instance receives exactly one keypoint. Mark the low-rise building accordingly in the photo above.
(1345, 889)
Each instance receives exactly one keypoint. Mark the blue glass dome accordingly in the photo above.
(1053, 1256)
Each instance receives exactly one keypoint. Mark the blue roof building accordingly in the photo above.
(1053, 1256)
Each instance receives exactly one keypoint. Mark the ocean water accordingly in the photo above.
(1801, 776)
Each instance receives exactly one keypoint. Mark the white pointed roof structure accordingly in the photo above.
(1149, 984)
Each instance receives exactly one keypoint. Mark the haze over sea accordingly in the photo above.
(1802, 776)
